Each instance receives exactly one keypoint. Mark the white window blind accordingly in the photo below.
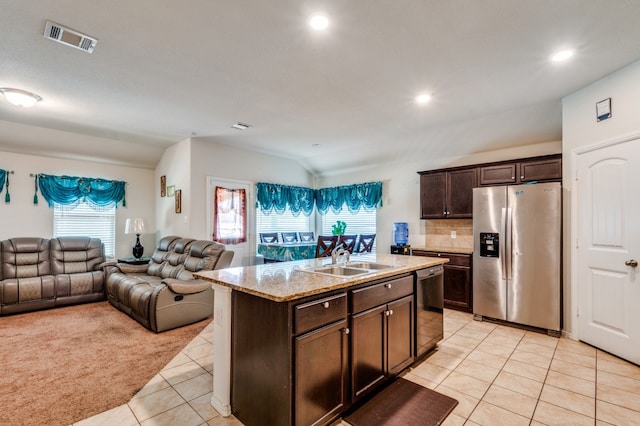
(285, 222)
(82, 220)
(362, 222)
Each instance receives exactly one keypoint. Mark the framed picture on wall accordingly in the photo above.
(178, 201)
(163, 186)
(170, 190)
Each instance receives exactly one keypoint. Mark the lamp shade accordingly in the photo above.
(134, 226)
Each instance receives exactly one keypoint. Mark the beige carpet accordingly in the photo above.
(65, 364)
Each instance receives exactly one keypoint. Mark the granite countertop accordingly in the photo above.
(284, 281)
(442, 249)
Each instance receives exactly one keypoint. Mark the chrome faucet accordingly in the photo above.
(337, 253)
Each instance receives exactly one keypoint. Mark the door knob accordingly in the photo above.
(633, 263)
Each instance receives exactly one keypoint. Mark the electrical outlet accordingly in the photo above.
(453, 234)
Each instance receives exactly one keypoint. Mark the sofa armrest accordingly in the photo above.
(106, 264)
(225, 259)
(186, 287)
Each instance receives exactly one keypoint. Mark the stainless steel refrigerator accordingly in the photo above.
(517, 254)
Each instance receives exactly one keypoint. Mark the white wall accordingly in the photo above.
(401, 187)
(21, 218)
(190, 162)
(175, 164)
(580, 129)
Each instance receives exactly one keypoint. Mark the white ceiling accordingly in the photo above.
(162, 70)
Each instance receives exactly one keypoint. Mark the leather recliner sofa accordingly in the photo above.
(163, 294)
(39, 273)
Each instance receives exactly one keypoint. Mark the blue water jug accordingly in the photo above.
(400, 233)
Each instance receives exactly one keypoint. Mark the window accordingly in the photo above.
(287, 222)
(230, 216)
(362, 222)
(82, 220)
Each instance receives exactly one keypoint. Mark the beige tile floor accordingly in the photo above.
(500, 376)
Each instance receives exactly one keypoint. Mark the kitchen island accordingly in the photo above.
(292, 346)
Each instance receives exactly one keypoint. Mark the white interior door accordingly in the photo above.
(243, 254)
(608, 247)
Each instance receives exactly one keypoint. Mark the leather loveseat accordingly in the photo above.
(39, 273)
(163, 294)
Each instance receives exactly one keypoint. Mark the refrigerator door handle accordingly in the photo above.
(508, 243)
(503, 220)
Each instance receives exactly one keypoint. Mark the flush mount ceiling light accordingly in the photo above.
(241, 126)
(423, 98)
(20, 98)
(319, 22)
(562, 55)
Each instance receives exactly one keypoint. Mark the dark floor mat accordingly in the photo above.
(403, 403)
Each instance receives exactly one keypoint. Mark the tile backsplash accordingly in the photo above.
(438, 233)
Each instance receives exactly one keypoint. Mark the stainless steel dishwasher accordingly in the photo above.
(429, 309)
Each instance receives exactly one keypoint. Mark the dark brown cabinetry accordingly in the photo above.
(447, 194)
(545, 169)
(321, 360)
(458, 279)
(291, 360)
(381, 333)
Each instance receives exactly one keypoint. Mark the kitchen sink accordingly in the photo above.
(337, 270)
(368, 265)
(346, 270)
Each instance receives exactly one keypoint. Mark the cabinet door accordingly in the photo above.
(460, 184)
(433, 196)
(368, 341)
(399, 334)
(321, 367)
(457, 287)
(499, 175)
(550, 169)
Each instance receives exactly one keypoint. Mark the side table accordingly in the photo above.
(133, 261)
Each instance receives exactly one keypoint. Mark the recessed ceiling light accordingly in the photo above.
(423, 98)
(562, 55)
(20, 98)
(241, 126)
(319, 22)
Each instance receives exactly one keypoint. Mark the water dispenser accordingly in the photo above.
(489, 244)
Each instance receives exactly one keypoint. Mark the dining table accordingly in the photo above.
(283, 252)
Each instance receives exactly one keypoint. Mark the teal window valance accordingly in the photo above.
(71, 190)
(361, 195)
(4, 177)
(273, 197)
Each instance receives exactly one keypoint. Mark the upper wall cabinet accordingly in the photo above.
(548, 168)
(447, 194)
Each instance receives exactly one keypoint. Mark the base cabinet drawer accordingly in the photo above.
(320, 312)
(378, 294)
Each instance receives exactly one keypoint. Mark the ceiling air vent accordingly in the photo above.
(69, 37)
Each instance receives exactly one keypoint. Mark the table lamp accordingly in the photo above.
(135, 226)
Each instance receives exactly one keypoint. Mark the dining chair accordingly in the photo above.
(306, 236)
(326, 243)
(289, 237)
(365, 243)
(268, 237)
(348, 242)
